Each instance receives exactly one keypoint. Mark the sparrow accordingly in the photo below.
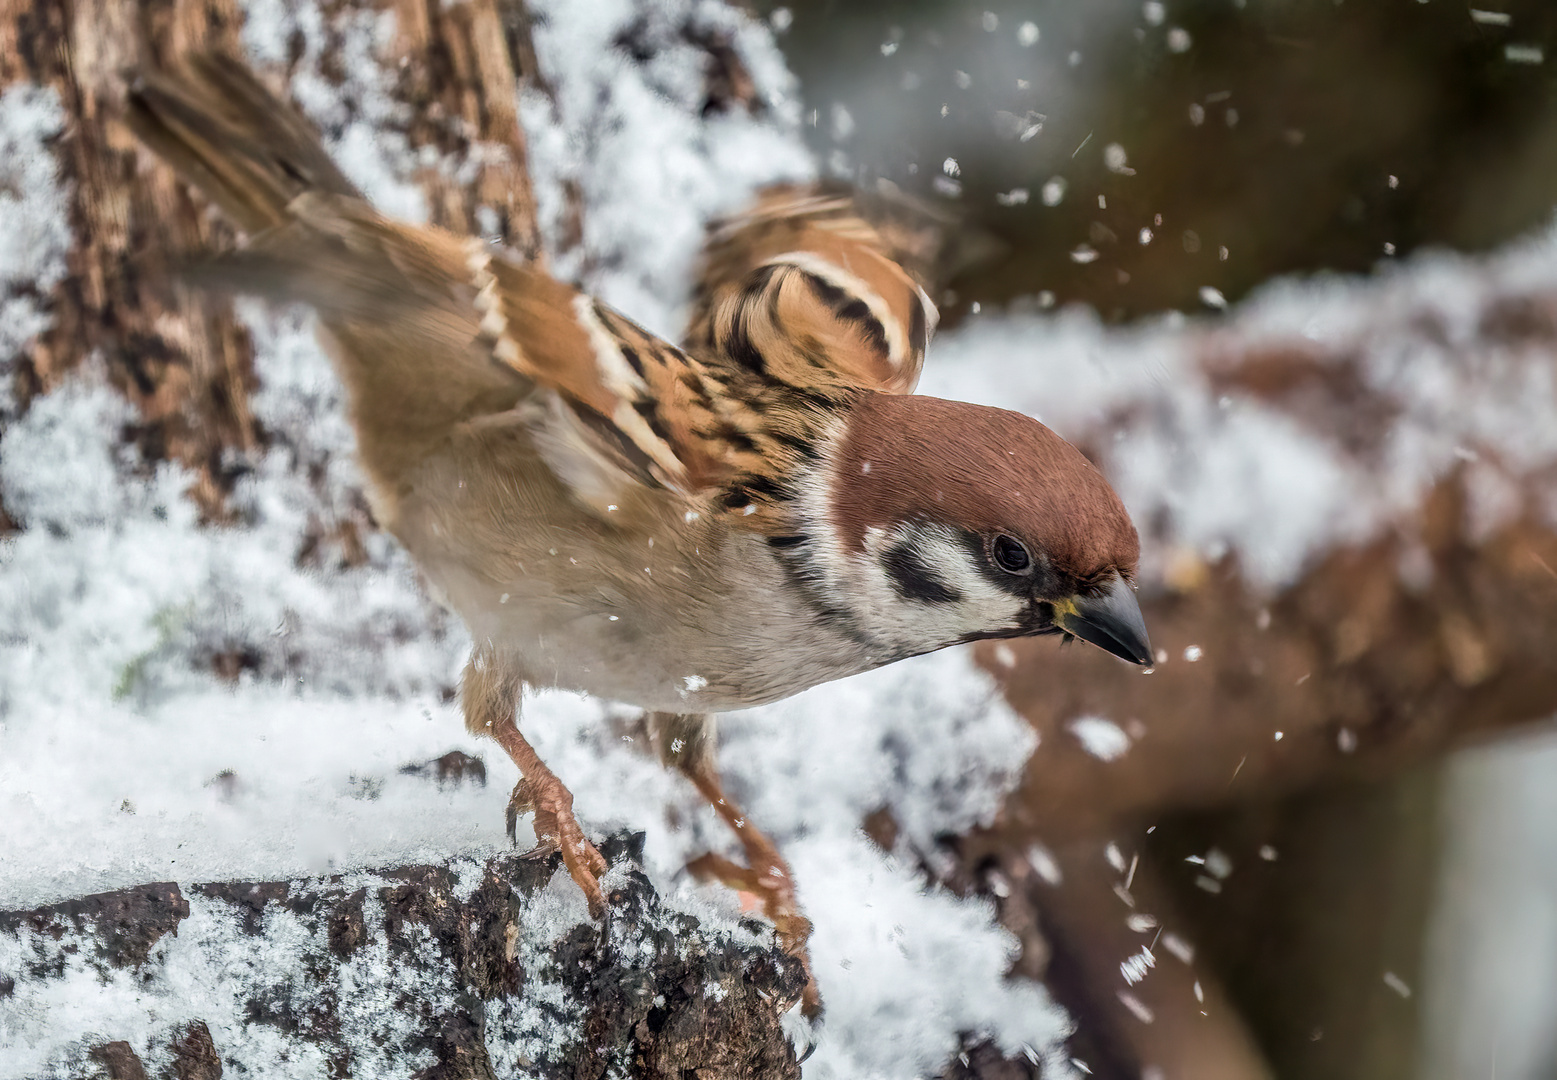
(686, 530)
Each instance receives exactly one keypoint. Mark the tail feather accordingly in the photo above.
(252, 153)
(397, 303)
(313, 239)
(341, 258)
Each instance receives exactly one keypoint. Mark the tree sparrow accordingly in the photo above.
(688, 531)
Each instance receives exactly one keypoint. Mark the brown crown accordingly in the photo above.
(989, 470)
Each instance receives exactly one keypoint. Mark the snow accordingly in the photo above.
(1218, 471)
(1100, 737)
(33, 219)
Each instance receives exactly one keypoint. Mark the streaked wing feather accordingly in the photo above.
(802, 290)
(643, 400)
(612, 407)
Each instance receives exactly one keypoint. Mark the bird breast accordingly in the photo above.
(656, 603)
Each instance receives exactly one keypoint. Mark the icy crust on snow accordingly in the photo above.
(1224, 471)
(123, 759)
(624, 132)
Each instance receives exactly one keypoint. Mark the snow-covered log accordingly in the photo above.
(469, 970)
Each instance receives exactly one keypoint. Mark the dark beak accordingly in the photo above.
(1111, 621)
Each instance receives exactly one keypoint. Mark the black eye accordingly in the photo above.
(1010, 555)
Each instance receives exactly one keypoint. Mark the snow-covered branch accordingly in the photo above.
(1346, 492)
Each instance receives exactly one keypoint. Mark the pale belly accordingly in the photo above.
(654, 665)
(662, 615)
(733, 650)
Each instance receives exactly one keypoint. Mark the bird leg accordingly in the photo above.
(540, 792)
(686, 742)
(490, 695)
(766, 876)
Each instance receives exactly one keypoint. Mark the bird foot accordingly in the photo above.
(768, 882)
(556, 829)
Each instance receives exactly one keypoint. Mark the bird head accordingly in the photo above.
(948, 522)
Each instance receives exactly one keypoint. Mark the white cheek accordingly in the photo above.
(915, 624)
(984, 606)
(858, 583)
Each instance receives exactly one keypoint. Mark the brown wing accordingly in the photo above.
(802, 290)
(625, 406)
(648, 399)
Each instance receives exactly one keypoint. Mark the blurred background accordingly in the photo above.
(1173, 155)
(1126, 154)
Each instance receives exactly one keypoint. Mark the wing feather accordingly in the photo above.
(651, 395)
(801, 289)
(801, 306)
(443, 329)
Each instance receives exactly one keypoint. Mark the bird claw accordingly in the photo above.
(556, 829)
(544, 849)
(519, 803)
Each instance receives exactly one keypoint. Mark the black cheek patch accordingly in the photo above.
(914, 580)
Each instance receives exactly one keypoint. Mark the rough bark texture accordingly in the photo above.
(180, 357)
(653, 994)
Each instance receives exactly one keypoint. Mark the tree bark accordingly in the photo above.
(470, 970)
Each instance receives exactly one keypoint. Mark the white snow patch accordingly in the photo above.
(34, 221)
(1045, 864)
(1100, 737)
